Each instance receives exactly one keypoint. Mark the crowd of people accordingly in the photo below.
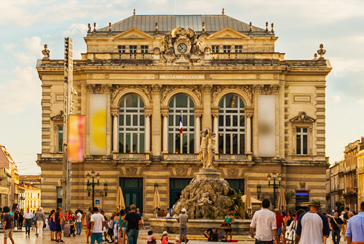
(311, 227)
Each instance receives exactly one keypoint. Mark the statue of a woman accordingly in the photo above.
(203, 148)
(210, 150)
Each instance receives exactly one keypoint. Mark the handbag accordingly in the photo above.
(291, 233)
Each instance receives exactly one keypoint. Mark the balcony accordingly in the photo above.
(180, 157)
(131, 156)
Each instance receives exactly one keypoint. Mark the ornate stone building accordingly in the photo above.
(148, 73)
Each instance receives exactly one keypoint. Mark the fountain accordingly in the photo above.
(207, 198)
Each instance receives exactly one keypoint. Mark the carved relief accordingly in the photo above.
(98, 88)
(302, 117)
(131, 170)
(266, 89)
(232, 172)
(181, 171)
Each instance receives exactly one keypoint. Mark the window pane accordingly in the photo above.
(298, 144)
(192, 120)
(141, 143)
(178, 143)
(227, 121)
(181, 101)
(298, 130)
(221, 120)
(228, 144)
(170, 143)
(235, 143)
(128, 123)
(221, 143)
(192, 143)
(121, 119)
(305, 130)
(170, 120)
(235, 120)
(184, 140)
(184, 120)
(141, 123)
(128, 143)
(242, 144)
(305, 146)
(135, 142)
(242, 121)
(141, 103)
(135, 119)
(192, 104)
(121, 142)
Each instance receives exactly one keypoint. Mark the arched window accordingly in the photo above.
(131, 124)
(181, 106)
(231, 125)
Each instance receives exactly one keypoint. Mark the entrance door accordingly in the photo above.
(176, 185)
(237, 185)
(133, 192)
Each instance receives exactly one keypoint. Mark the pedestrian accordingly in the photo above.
(312, 226)
(88, 223)
(280, 224)
(58, 220)
(229, 219)
(8, 223)
(79, 221)
(182, 220)
(16, 218)
(21, 219)
(40, 220)
(290, 234)
(104, 227)
(134, 221)
(52, 225)
(265, 223)
(122, 230)
(97, 223)
(33, 221)
(336, 226)
(355, 228)
(164, 239)
(28, 216)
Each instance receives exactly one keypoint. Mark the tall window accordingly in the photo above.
(227, 49)
(133, 49)
(59, 196)
(215, 49)
(131, 124)
(121, 49)
(231, 125)
(144, 49)
(181, 106)
(60, 138)
(301, 141)
(238, 48)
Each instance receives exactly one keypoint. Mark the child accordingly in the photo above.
(165, 237)
(151, 239)
(142, 225)
(110, 229)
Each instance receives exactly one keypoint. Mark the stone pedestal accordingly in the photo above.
(207, 173)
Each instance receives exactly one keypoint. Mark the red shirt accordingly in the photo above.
(279, 219)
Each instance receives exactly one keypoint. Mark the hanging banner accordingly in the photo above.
(98, 124)
(266, 126)
(76, 132)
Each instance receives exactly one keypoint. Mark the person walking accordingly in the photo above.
(21, 219)
(122, 231)
(97, 223)
(88, 223)
(8, 228)
(280, 224)
(312, 226)
(16, 218)
(52, 225)
(28, 216)
(336, 225)
(355, 228)
(264, 221)
(134, 221)
(79, 221)
(40, 219)
(182, 220)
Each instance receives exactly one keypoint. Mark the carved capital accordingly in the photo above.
(275, 89)
(257, 89)
(207, 88)
(156, 88)
(249, 112)
(98, 88)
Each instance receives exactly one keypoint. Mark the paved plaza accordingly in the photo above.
(21, 238)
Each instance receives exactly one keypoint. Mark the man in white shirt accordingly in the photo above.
(264, 221)
(79, 222)
(312, 226)
(97, 223)
(28, 216)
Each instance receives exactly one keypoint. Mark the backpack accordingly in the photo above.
(291, 232)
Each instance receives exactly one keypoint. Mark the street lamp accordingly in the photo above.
(91, 185)
(276, 184)
(259, 190)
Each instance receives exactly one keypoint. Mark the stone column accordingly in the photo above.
(108, 120)
(249, 111)
(206, 95)
(115, 132)
(147, 133)
(156, 122)
(165, 133)
(215, 115)
(197, 132)
(257, 91)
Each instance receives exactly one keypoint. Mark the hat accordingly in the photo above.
(315, 203)
(183, 210)
(165, 233)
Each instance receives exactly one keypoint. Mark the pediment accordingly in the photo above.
(228, 33)
(302, 117)
(133, 33)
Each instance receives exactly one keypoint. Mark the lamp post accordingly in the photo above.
(259, 190)
(91, 185)
(276, 184)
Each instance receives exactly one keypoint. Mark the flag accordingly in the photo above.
(180, 124)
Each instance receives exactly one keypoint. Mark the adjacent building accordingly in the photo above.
(360, 171)
(146, 77)
(336, 186)
(351, 177)
(9, 180)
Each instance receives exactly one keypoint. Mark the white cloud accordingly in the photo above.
(22, 91)
(9, 46)
(75, 29)
(34, 45)
(335, 99)
(158, 1)
(361, 100)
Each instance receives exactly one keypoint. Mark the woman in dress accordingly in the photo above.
(52, 225)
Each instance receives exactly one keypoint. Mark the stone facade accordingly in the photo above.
(360, 172)
(336, 184)
(351, 177)
(159, 59)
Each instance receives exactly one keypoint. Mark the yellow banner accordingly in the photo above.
(98, 124)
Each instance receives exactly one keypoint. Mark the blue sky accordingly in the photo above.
(26, 25)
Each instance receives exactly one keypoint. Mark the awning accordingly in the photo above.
(253, 200)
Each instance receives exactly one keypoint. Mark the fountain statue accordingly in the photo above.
(207, 195)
